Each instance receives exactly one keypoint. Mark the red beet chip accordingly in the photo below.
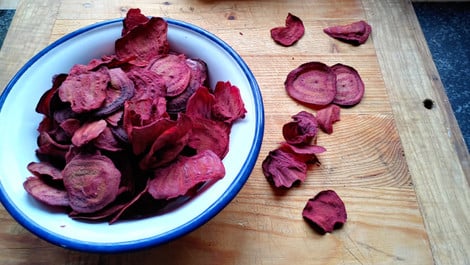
(349, 85)
(305, 152)
(228, 106)
(327, 116)
(121, 89)
(200, 104)
(85, 90)
(168, 145)
(198, 78)
(301, 130)
(178, 178)
(88, 132)
(312, 83)
(291, 33)
(133, 18)
(355, 33)
(92, 182)
(45, 102)
(45, 193)
(325, 212)
(210, 135)
(42, 169)
(174, 71)
(284, 169)
(144, 42)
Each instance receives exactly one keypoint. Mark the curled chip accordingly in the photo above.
(327, 116)
(325, 212)
(312, 83)
(301, 130)
(290, 33)
(355, 33)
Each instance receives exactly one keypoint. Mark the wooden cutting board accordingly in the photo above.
(373, 160)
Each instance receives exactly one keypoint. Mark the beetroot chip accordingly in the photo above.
(85, 90)
(290, 33)
(168, 145)
(88, 132)
(327, 116)
(142, 137)
(44, 169)
(45, 193)
(198, 79)
(174, 71)
(45, 102)
(306, 153)
(210, 135)
(349, 85)
(301, 130)
(133, 18)
(200, 104)
(228, 106)
(355, 33)
(325, 212)
(92, 182)
(312, 83)
(178, 178)
(120, 90)
(144, 42)
(283, 169)
(147, 83)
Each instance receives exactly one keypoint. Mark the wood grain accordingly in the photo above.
(429, 136)
(398, 167)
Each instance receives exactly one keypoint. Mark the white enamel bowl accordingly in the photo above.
(18, 123)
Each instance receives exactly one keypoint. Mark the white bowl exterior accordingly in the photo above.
(19, 121)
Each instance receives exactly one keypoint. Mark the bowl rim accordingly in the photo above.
(227, 196)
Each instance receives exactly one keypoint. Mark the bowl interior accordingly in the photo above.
(18, 121)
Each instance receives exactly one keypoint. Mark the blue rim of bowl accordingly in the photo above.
(196, 222)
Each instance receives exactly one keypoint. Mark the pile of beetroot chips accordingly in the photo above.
(129, 133)
(325, 89)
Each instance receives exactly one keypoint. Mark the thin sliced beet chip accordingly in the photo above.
(147, 83)
(325, 212)
(210, 135)
(290, 33)
(228, 106)
(327, 116)
(168, 145)
(306, 153)
(45, 193)
(45, 102)
(88, 132)
(349, 85)
(185, 174)
(133, 18)
(283, 169)
(355, 33)
(301, 130)
(144, 42)
(92, 182)
(44, 169)
(174, 71)
(312, 83)
(85, 90)
(142, 137)
(121, 89)
(200, 104)
(198, 79)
